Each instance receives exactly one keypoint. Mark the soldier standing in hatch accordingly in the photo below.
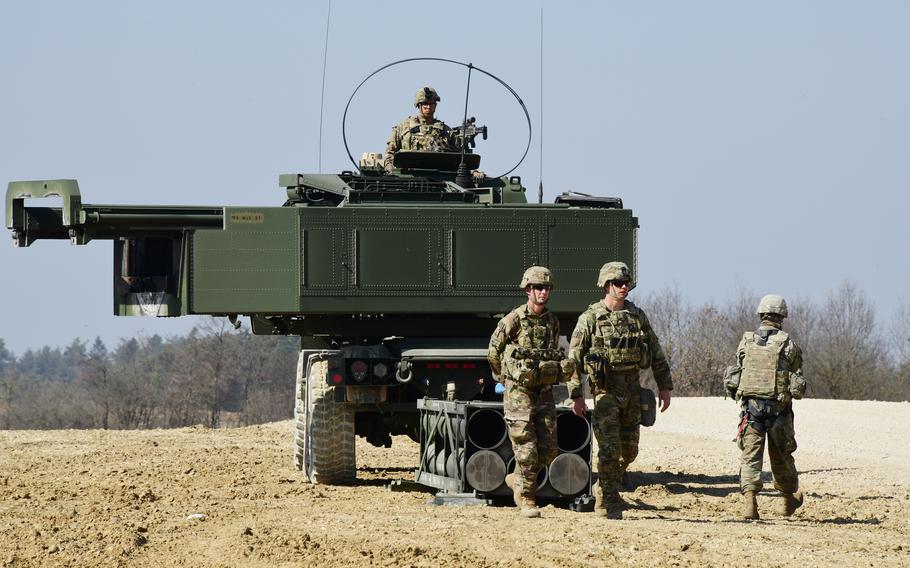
(769, 375)
(421, 132)
(612, 340)
(524, 354)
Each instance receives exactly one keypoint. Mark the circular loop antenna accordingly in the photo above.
(344, 119)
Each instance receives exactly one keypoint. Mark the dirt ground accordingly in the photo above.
(94, 498)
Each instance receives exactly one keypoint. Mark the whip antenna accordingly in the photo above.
(540, 175)
(325, 58)
(462, 177)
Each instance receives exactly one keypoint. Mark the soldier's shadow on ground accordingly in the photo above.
(848, 521)
(826, 470)
(679, 483)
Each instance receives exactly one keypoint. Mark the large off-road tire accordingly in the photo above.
(326, 453)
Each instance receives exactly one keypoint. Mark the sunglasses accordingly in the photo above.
(620, 283)
(541, 287)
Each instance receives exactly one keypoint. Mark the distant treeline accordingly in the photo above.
(847, 352)
(218, 377)
(214, 376)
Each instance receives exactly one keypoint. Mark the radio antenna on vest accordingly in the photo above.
(325, 58)
(540, 175)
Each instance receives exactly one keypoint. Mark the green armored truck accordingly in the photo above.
(394, 283)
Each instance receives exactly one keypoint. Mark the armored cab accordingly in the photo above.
(393, 281)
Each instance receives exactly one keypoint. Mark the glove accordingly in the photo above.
(499, 388)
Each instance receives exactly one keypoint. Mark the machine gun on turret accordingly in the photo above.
(466, 133)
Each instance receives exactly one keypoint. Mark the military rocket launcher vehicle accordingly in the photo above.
(394, 283)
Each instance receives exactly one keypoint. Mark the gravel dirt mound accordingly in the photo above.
(201, 497)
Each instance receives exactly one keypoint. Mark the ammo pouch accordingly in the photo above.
(797, 385)
(599, 363)
(536, 367)
(732, 375)
(645, 362)
(648, 407)
(549, 372)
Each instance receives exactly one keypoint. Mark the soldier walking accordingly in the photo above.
(612, 341)
(524, 354)
(421, 132)
(768, 376)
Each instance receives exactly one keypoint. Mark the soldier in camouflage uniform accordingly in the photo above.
(768, 375)
(525, 355)
(612, 341)
(421, 132)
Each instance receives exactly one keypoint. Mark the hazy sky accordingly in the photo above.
(761, 144)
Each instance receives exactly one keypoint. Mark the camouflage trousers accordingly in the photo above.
(531, 416)
(777, 429)
(616, 423)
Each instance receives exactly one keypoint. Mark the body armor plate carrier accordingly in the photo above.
(764, 371)
(618, 345)
(535, 361)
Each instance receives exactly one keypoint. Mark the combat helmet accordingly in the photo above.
(536, 275)
(614, 271)
(772, 304)
(426, 94)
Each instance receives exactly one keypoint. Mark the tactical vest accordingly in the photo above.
(618, 345)
(532, 359)
(765, 373)
(427, 137)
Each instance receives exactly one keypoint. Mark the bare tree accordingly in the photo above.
(95, 377)
(7, 384)
(849, 357)
(740, 314)
(9, 391)
(215, 362)
(669, 314)
(899, 384)
(708, 349)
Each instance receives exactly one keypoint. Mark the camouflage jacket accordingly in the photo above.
(587, 328)
(417, 133)
(509, 332)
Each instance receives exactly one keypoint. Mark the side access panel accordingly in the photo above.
(253, 265)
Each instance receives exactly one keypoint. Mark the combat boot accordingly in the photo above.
(615, 505)
(600, 506)
(610, 505)
(529, 508)
(525, 503)
(792, 502)
(750, 506)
